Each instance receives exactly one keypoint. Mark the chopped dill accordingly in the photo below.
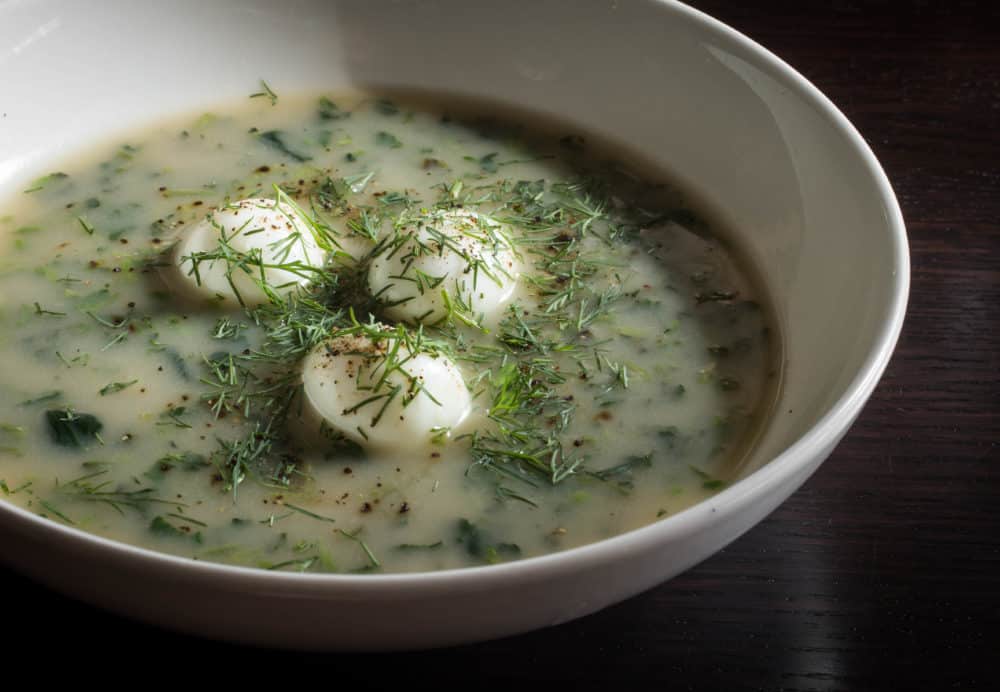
(306, 512)
(372, 560)
(90, 488)
(113, 387)
(39, 310)
(266, 92)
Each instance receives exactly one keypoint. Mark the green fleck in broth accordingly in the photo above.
(468, 341)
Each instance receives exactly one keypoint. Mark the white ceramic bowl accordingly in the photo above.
(810, 203)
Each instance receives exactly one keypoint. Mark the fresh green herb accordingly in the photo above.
(113, 387)
(328, 110)
(501, 551)
(88, 229)
(707, 481)
(13, 491)
(176, 360)
(504, 493)
(479, 545)
(407, 547)
(41, 183)
(85, 489)
(120, 337)
(187, 461)
(622, 473)
(162, 527)
(226, 328)
(488, 162)
(43, 397)
(48, 506)
(182, 192)
(386, 107)
(276, 139)
(306, 512)
(266, 92)
(185, 518)
(358, 183)
(39, 310)
(303, 564)
(172, 416)
(387, 139)
(70, 429)
(372, 560)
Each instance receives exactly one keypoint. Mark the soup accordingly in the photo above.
(362, 333)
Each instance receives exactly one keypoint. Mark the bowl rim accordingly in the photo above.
(824, 433)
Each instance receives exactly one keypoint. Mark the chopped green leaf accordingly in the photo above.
(488, 163)
(44, 396)
(56, 512)
(40, 183)
(311, 515)
(387, 139)
(372, 560)
(707, 481)
(328, 110)
(69, 429)
(470, 538)
(497, 553)
(386, 107)
(405, 547)
(479, 545)
(276, 139)
(187, 461)
(266, 92)
(162, 527)
(113, 387)
(39, 310)
(630, 463)
(172, 416)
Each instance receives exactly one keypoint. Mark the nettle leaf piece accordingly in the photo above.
(71, 429)
(387, 139)
(276, 140)
(328, 110)
(480, 545)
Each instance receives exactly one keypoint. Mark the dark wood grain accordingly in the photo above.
(883, 572)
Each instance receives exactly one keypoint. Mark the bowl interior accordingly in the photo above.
(804, 196)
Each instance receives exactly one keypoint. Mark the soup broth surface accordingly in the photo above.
(623, 381)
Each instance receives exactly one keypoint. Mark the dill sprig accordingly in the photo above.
(86, 489)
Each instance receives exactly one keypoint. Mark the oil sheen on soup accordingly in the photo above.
(355, 333)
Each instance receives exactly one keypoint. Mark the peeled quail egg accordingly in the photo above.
(376, 392)
(445, 262)
(237, 250)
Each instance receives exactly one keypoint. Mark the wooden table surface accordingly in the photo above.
(883, 571)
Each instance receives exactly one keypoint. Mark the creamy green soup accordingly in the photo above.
(624, 377)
